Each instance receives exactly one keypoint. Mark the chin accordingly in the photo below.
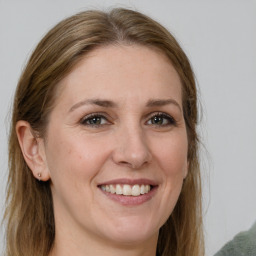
(132, 232)
(132, 238)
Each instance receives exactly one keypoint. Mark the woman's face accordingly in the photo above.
(116, 145)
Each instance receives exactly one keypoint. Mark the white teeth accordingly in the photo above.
(112, 189)
(119, 190)
(142, 189)
(136, 190)
(126, 190)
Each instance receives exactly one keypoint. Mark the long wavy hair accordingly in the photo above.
(29, 216)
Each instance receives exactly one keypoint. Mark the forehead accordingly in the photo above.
(120, 71)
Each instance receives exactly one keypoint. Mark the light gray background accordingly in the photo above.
(219, 37)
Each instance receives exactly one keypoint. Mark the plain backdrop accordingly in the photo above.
(219, 37)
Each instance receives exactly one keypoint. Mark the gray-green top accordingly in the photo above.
(243, 244)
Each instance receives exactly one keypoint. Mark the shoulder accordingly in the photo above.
(243, 244)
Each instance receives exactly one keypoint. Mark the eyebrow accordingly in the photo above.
(160, 103)
(97, 102)
(111, 104)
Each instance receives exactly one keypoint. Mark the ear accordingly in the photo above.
(33, 150)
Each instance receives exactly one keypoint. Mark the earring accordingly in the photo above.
(39, 176)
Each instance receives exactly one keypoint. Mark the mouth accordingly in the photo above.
(126, 189)
(129, 192)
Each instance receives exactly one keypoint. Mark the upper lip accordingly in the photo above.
(129, 182)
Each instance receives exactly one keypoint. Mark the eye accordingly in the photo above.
(94, 120)
(161, 119)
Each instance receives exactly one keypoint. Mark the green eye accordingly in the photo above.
(161, 119)
(94, 120)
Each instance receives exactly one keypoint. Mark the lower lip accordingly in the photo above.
(131, 200)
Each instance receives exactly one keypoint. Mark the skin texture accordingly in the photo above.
(77, 156)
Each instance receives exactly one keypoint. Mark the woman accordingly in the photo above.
(103, 151)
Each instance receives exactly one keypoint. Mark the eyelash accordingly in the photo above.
(90, 117)
(99, 116)
(170, 120)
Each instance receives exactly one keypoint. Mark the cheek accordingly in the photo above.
(74, 158)
(73, 163)
(172, 156)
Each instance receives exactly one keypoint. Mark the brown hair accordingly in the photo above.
(29, 213)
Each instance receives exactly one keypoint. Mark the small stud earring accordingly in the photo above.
(39, 175)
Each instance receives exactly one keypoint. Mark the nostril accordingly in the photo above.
(131, 151)
(132, 164)
(124, 163)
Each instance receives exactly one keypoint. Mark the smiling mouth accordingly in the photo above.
(126, 189)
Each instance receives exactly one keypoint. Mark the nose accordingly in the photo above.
(132, 149)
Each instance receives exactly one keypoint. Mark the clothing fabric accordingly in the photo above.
(243, 244)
